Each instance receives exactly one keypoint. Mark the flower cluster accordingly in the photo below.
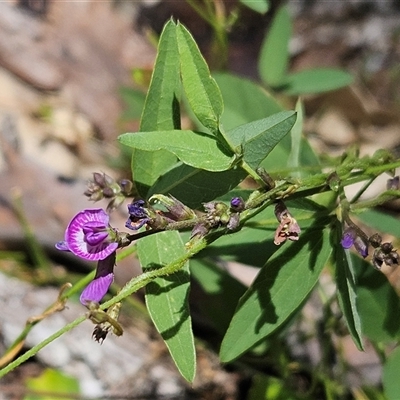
(103, 186)
(383, 253)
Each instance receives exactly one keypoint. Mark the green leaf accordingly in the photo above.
(346, 285)
(257, 139)
(274, 56)
(381, 221)
(201, 89)
(270, 388)
(161, 110)
(378, 303)
(52, 381)
(195, 186)
(193, 148)
(167, 298)
(134, 101)
(260, 6)
(222, 292)
(316, 80)
(391, 373)
(244, 101)
(279, 289)
(147, 166)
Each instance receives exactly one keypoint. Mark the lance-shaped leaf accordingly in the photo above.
(278, 290)
(193, 148)
(201, 90)
(167, 298)
(255, 140)
(161, 110)
(316, 80)
(346, 285)
(274, 55)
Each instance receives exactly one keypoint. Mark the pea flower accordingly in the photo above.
(351, 238)
(288, 227)
(102, 281)
(90, 236)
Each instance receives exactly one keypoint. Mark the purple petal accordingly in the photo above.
(347, 239)
(62, 245)
(361, 246)
(137, 210)
(96, 289)
(92, 249)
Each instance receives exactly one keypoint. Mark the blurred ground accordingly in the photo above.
(61, 65)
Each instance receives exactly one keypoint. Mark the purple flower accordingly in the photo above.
(137, 215)
(350, 238)
(99, 286)
(89, 235)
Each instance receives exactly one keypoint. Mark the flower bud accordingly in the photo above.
(178, 211)
(237, 204)
(375, 240)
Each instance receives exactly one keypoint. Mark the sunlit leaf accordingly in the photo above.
(201, 90)
(167, 298)
(257, 139)
(161, 111)
(279, 289)
(196, 149)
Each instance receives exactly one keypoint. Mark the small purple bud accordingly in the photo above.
(126, 186)
(361, 246)
(237, 204)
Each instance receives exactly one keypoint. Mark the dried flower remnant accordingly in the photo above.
(393, 183)
(288, 227)
(138, 215)
(90, 236)
(383, 253)
(105, 321)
